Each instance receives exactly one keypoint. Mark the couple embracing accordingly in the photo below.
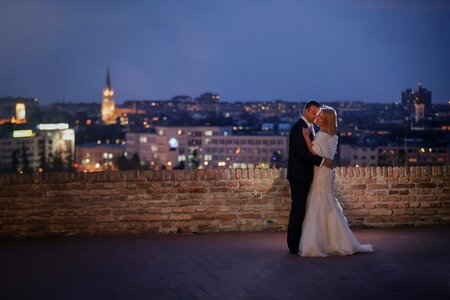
(317, 225)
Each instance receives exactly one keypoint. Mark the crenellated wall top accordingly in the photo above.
(215, 174)
(414, 171)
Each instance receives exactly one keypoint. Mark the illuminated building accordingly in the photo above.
(412, 156)
(206, 147)
(98, 157)
(357, 155)
(418, 102)
(246, 151)
(60, 143)
(20, 117)
(20, 145)
(15, 110)
(50, 146)
(352, 155)
(110, 112)
(108, 103)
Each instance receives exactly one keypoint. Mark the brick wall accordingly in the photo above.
(214, 200)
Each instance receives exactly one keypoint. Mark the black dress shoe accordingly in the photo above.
(293, 251)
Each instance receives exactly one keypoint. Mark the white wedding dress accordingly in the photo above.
(325, 230)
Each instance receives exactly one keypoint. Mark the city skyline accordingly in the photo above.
(253, 51)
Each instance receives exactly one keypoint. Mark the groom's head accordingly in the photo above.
(311, 111)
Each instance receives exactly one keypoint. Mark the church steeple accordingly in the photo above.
(108, 80)
(108, 103)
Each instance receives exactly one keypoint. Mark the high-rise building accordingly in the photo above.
(417, 102)
(422, 101)
(108, 103)
(408, 98)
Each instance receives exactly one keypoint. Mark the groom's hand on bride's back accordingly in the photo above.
(328, 163)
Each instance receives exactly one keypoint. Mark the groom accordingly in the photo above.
(300, 172)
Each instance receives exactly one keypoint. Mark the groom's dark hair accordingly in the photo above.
(311, 103)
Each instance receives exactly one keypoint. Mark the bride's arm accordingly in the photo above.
(309, 144)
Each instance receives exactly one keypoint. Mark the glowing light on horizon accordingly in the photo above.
(53, 126)
(22, 133)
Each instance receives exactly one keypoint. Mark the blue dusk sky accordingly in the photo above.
(244, 50)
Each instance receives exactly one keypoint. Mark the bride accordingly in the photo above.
(325, 230)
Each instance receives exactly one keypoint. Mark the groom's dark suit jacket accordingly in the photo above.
(301, 162)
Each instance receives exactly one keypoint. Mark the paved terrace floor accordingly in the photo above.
(410, 263)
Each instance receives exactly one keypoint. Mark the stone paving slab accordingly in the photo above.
(409, 263)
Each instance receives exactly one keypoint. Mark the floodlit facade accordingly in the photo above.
(108, 103)
(205, 147)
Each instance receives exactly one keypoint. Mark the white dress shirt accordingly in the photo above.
(311, 128)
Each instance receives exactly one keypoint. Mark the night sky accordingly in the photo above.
(244, 50)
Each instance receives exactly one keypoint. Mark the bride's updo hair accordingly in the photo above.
(329, 115)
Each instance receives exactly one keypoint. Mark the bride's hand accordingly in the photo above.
(306, 133)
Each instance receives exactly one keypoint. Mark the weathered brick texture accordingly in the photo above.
(389, 196)
(207, 201)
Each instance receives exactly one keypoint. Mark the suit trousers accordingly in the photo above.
(299, 194)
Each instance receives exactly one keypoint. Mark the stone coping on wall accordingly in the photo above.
(213, 174)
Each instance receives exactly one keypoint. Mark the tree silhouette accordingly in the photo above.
(15, 160)
(43, 158)
(70, 166)
(180, 166)
(57, 164)
(123, 163)
(25, 161)
(135, 162)
(195, 160)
